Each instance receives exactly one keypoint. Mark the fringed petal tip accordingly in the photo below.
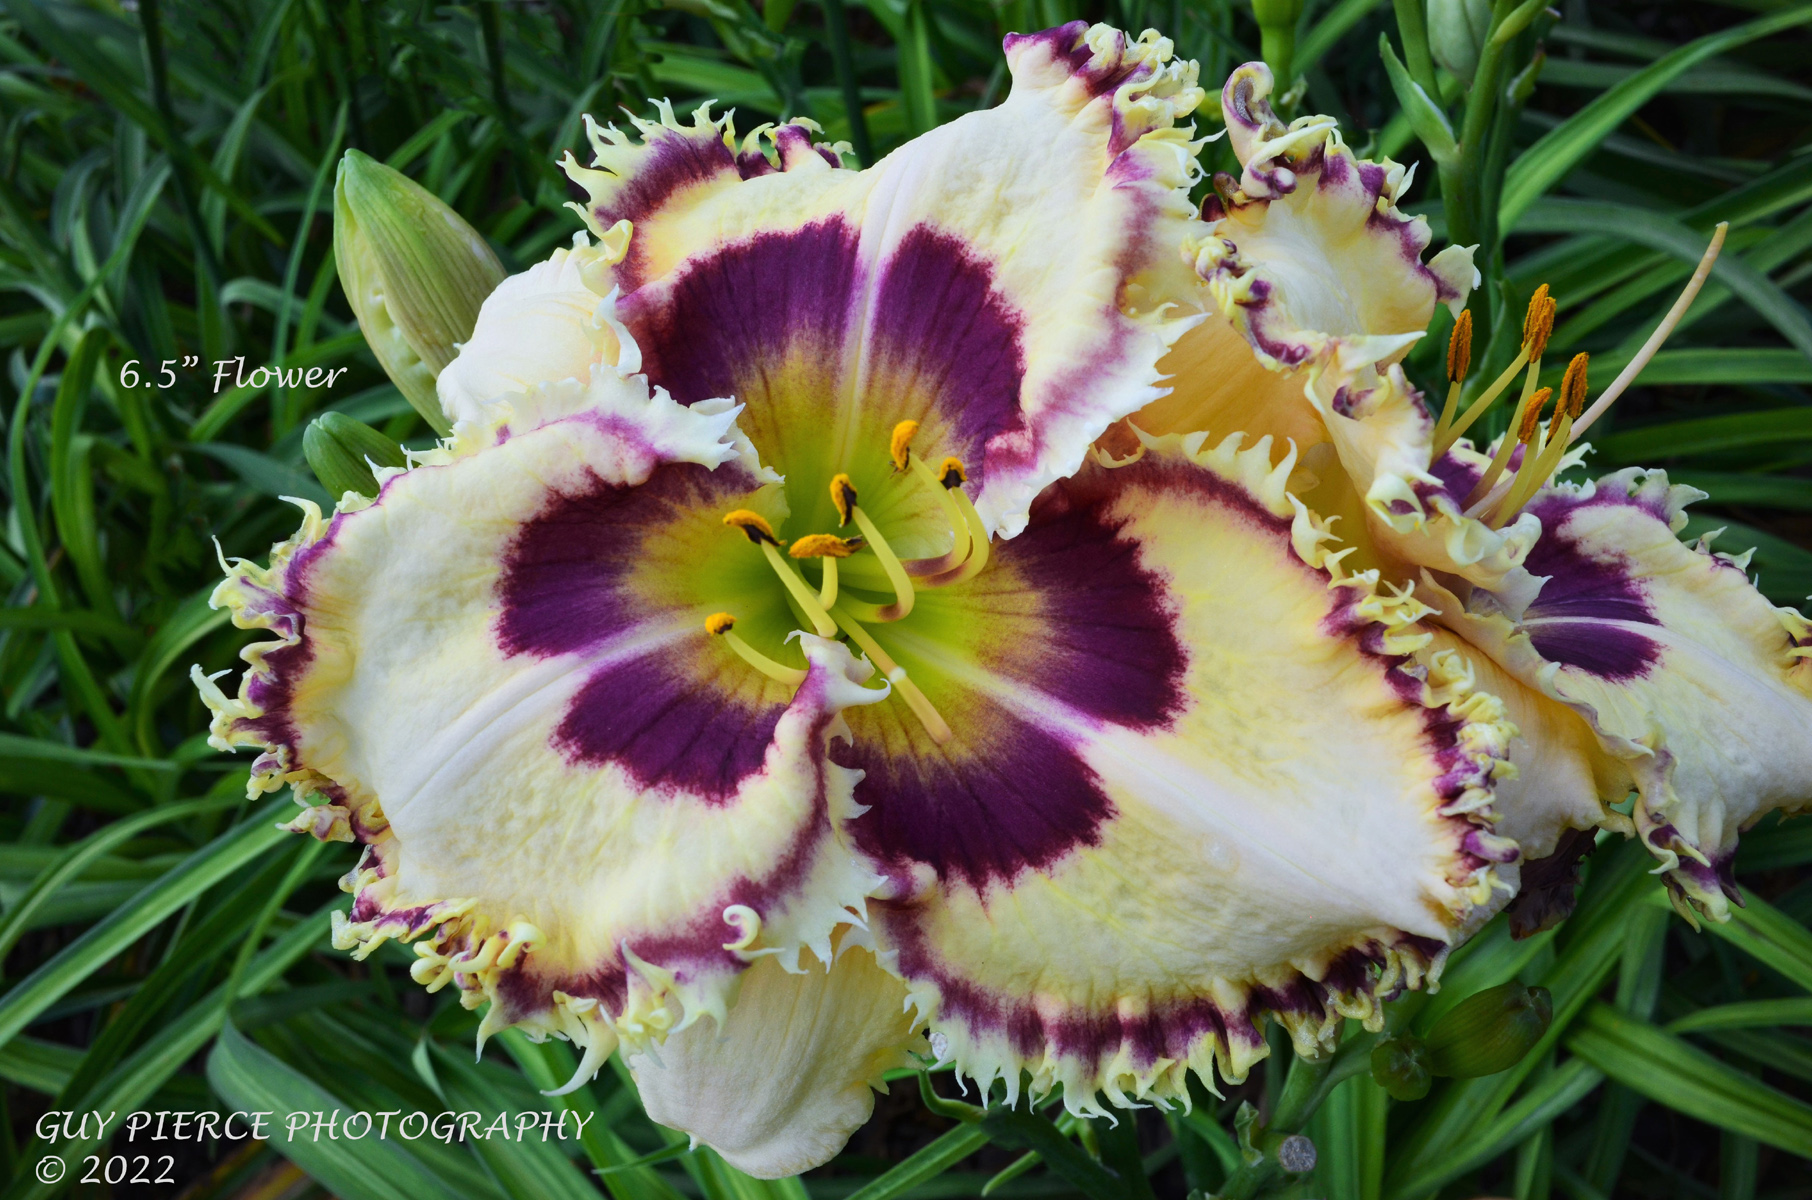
(1308, 254)
(1689, 679)
(1381, 802)
(398, 618)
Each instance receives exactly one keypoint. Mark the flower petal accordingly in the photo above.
(1008, 280)
(589, 813)
(1195, 779)
(1309, 262)
(1686, 674)
(549, 323)
(779, 1086)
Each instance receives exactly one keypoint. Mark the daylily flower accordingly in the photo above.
(1626, 658)
(765, 675)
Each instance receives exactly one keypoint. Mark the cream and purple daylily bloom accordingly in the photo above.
(1625, 658)
(768, 679)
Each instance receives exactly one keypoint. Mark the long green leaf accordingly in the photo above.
(368, 1168)
(88, 953)
(1547, 162)
(1677, 1074)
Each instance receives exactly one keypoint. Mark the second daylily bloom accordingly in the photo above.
(762, 676)
(1626, 658)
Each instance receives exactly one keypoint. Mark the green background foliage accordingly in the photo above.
(165, 175)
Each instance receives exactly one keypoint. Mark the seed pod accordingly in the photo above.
(413, 271)
(1400, 1065)
(337, 447)
(1489, 1032)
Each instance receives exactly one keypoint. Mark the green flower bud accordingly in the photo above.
(341, 452)
(1400, 1065)
(1489, 1032)
(1456, 31)
(413, 271)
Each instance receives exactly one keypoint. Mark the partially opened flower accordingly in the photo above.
(759, 677)
(1623, 656)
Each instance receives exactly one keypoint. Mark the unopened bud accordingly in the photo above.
(413, 271)
(1489, 1032)
(1400, 1066)
(1457, 30)
(341, 451)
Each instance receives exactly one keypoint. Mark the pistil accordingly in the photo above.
(755, 527)
(894, 673)
(723, 625)
(1649, 348)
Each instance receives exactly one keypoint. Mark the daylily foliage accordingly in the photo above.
(985, 608)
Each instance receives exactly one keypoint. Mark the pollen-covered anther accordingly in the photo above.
(1538, 326)
(899, 446)
(754, 526)
(1532, 416)
(1538, 322)
(843, 495)
(825, 545)
(1573, 387)
(827, 548)
(1459, 362)
(723, 625)
(951, 474)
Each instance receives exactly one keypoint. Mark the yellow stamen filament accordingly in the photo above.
(1537, 469)
(921, 707)
(1477, 408)
(756, 528)
(978, 541)
(828, 548)
(959, 528)
(1655, 339)
(903, 594)
(1505, 445)
(722, 625)
(1459, 362)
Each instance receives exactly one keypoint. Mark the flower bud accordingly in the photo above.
(1489, 1032)
(1400, 1065)
(413, 271)
(341, 451)
(1456, 32)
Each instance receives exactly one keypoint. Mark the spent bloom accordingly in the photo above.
(867, 618)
